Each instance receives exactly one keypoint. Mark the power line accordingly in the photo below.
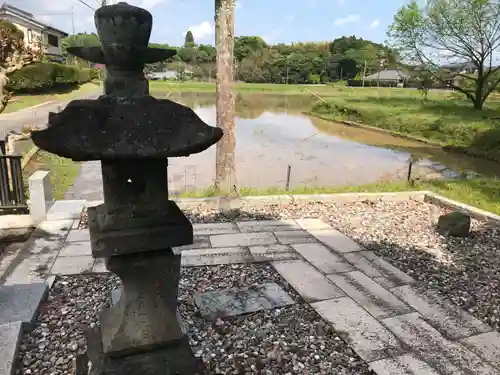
(51, 14)
(84, 3)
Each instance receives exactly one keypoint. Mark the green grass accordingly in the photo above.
(190, 86)
(445, 118)
(19, 102)
(481, 193)
(63, 172)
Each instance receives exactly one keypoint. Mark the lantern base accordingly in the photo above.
(176, 359)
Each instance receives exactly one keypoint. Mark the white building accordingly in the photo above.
(35, 31)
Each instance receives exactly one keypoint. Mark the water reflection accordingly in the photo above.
(272, 133)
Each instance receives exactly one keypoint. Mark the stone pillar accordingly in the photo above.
(133, 134)
(41, 197)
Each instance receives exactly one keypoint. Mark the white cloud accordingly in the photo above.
(290, 18)
(351, 18)
(271, 37)
(374, 24)
(58, 12)
(202, 31)
(149, 4)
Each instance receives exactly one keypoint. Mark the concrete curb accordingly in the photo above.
(266, 200)
(475, 213)
(29, 155)
(222, 203)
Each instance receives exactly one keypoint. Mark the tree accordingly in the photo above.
(189, 39)
(245, 45)
(458, 33)
(14, 55)
(225, 169)
(80, 39)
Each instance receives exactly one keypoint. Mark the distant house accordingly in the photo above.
(35, 31)
(388, 75)
(462, 68)
(168, 74)
(161, 76)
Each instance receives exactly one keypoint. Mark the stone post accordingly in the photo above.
(136, 227)
(41, 195)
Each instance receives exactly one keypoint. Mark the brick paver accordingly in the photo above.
(336, 240)
(271, 253)
(267, 225)
(323, 258)
(307, 281)
(288, 237)
(447, 357)
(381, 271)
(446, 317)
(367, 336)
(243, 239)
(378, 301)
(486, 345)
(407, 364)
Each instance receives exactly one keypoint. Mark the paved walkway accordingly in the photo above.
(388, 321)
(35, 116)
(88, 184)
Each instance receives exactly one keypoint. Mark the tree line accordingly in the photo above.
(452, 42)
(260, 62)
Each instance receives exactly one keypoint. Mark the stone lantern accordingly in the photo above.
(136, 227)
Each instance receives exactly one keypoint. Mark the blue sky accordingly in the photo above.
(274, 20)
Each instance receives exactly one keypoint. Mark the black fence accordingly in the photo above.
(12, 193)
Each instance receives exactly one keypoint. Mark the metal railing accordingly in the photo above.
(12, 193)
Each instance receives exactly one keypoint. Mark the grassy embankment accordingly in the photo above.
(23, 101)
(444, 119)
(63, 172)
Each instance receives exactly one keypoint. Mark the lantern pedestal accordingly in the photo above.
(133, 134)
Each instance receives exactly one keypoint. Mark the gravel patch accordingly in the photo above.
(72, 305)
(466, 270)
(289, 340)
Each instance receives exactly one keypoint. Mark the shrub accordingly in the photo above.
(47, 75)
(93, 74)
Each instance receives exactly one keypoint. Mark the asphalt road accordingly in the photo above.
(34, 116)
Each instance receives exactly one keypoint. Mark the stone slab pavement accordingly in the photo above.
(385, 316)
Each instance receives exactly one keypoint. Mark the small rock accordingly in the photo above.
(455, 224)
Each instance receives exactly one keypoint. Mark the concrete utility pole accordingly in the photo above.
(225, 165)
(364, 74)
(73, 19)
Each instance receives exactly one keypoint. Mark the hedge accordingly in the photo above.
(47, 75)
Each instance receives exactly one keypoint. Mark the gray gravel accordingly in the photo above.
(290, 340)
(466, 270)
(72, 305)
